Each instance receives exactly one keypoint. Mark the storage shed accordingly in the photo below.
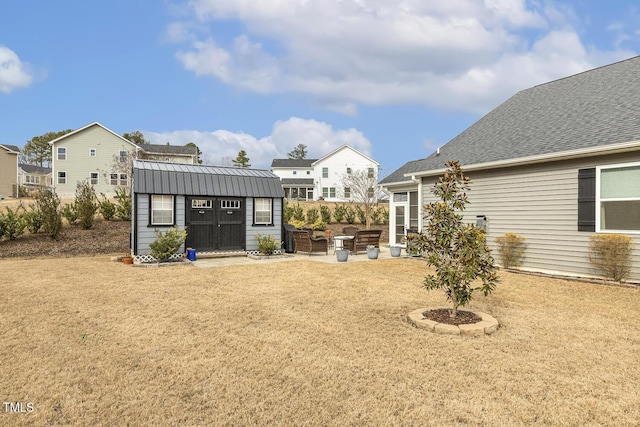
(222, 209)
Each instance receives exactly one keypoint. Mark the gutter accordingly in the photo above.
(541, 158)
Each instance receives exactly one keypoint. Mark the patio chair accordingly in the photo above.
(306, 242)
(349, 230)
(364, 238)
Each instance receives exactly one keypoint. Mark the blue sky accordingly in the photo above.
(394, 79)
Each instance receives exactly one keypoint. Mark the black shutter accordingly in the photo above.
(587, 199)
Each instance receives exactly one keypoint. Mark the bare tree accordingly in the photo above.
(362, 187)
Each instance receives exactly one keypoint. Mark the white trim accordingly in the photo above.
(66, 178)
(598, 200)
(342, 148)
(87, 127)
(172, 209)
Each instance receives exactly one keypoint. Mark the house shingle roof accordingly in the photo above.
(13, 148)
(198, 180)
(168, 149)
(292, 163)
(595, 108)
(34, 169)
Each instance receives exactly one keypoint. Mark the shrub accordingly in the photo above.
(456, 250)
(312, 215)
(48, 204)
(298, 213)
(267, 244)
(123, 208)
(350, 214)
(319, 225)
(511, 249)
(339, 213)
(107, 208)
(69, 213)
(360, 213)
(611, 253)
(287, 212)
(13, 222)
(167, 244)
(297, 224)
(325, 213)
(86, 204)
(34, 219)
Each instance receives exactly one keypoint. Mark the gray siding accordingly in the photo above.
(147, 234)
(540, 203)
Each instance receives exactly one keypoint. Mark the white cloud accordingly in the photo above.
(220, 146)
(463, 55)
(13, 72)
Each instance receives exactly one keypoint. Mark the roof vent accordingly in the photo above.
(438, 151)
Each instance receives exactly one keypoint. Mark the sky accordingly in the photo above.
(394, 79)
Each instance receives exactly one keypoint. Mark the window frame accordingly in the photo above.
(123, 156)
(171, 204)
(92, 152)
(61, 174)
(347, 192)
(599, 199)
(63, 151)
(97, 178)
(256, 211)
(325, 172)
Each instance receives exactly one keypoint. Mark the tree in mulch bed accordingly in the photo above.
(456, 250)
(167, 244)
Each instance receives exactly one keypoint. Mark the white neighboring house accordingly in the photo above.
(310, 179)
(101, 156)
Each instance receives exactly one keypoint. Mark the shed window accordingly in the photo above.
(62, 153)
(162, 210)
(263, 212)
(201, 204)
(230, 204)
(618, 198)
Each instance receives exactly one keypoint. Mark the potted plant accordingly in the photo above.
(342, 255)
(372, 252)
(395, 250)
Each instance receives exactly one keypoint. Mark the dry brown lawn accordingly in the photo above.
(91, 342)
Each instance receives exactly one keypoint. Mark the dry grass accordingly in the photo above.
(91, 342)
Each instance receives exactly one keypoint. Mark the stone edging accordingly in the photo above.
(486, 326)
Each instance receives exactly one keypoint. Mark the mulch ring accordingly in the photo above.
(441, 315)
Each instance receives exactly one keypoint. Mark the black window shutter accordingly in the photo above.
(587, 199)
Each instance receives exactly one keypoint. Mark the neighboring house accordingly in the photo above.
(555, 163)
(9, 170)
(169, 153)
(103, 157)
(32, 176)
(222, 208)
(310, 179)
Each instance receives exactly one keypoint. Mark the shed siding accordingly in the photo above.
(274, 230)
(147, 234)
(539, 203)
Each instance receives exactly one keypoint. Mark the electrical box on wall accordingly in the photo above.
(481, 222)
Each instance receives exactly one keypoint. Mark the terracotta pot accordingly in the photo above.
(127, 260)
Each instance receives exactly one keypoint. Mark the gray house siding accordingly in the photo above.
(539, 202)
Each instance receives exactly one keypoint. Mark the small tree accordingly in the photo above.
(13, 222)
(107, 208)
(456, 250)
(86, 204)
(363, 189)
(48, 203)
(611, 254)
(123, 200)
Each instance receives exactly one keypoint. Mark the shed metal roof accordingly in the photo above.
(198, 180)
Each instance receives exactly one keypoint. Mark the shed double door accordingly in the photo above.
(215, 223)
